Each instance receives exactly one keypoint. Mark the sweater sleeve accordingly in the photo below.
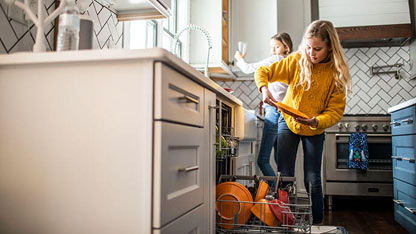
(282, 71)
(334, 110)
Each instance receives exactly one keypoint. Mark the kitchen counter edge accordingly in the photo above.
(402, 105)
(156, 54)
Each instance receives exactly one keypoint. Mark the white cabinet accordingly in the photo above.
(364, 12)
(214, 17)
(139, 9)
(91, 143)
(369, 23)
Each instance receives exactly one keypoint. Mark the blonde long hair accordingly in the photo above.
(326, 32)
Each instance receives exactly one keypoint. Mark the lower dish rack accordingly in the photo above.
(254, 209)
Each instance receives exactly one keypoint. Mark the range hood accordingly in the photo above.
(375, 35)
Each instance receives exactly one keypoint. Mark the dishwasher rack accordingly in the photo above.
(298, 208)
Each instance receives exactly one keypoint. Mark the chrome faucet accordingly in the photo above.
(205, 32)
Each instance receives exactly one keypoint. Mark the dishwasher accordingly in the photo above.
(281, 209)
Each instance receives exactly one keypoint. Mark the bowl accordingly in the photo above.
(263, 212)
(233, 204)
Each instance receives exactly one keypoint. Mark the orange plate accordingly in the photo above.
(290, 111)
(233, 199)
(262, 191)
(263, 211)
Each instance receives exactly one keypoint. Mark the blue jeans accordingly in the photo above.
(312, 159)
(268, 141)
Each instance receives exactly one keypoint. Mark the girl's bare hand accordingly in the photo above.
(267, 95)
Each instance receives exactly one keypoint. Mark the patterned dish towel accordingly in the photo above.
(358, 149)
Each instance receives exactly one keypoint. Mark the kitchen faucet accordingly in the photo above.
(205, 32)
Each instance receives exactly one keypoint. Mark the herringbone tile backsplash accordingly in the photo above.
(18, 34)
(372, 94)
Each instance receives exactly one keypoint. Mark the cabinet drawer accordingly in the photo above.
(190, 223)
(404, 151)
(405, 205)
(178, 172)
(177, 98)
(403, 121)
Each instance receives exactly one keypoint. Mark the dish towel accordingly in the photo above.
(358, 157)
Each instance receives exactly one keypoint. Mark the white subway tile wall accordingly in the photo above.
(372, 94)
(18, 34)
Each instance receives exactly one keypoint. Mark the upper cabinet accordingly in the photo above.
(214, 18)
(367, 23)
(140, 9)
(227, 22)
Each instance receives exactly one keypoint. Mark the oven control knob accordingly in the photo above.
(347, 125)
(340, 125)
(364, 127)
(385, 127)
(374, 127)
(357, 127)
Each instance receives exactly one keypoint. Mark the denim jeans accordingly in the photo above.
(312, 158)
(268, 141)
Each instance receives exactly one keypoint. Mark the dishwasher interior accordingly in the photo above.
(245, 203)
(258, 208)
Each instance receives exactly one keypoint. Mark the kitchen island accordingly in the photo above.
(107, 141)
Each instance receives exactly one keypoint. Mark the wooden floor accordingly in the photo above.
(363, 215)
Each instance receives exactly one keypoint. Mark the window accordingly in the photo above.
(144, 33)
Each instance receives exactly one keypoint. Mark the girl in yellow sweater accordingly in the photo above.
(318, 80)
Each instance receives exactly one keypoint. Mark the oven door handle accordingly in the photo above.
(370, 135)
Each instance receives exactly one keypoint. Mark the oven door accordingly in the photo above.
(379, 154)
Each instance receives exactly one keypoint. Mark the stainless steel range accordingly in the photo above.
(339, 179)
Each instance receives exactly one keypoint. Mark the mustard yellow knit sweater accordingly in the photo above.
(322, 100)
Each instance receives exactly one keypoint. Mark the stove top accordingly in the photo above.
(362, 123)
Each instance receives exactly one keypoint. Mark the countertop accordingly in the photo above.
(402, 105)
(156, 54)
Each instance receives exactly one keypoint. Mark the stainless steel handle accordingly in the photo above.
(396, 157)
(409, 121)
(188, 169)
(411, 210)
(398, 202)
(395, 123)
(370, 135)
(411, 160)
(189, 99)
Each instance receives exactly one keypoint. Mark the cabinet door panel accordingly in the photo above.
(404, 151)
(178, 171)
(403, 121)
(177, 98)
(405, 205)
(191, 223)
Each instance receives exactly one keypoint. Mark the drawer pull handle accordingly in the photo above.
(396, 157)
(398, 202)
(395, 123)
(408, 121)
(189, 99)
(411, 210)
(411, 160)
(188, 169)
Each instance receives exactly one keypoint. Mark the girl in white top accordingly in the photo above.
(281, 46)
